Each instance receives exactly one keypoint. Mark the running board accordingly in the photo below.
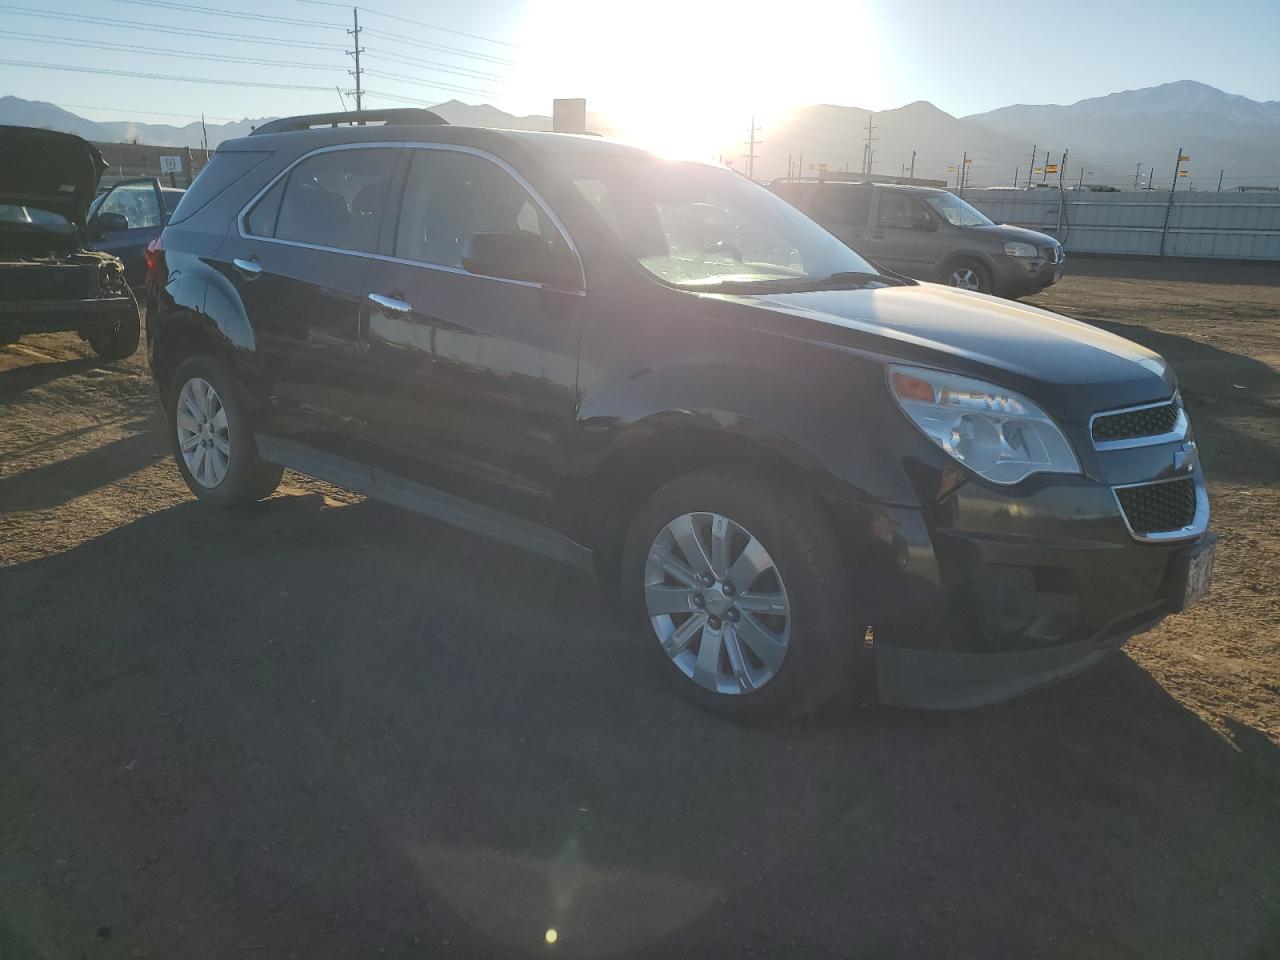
(428, 501)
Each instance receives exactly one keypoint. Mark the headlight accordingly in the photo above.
(998, 434)
(1015, 249)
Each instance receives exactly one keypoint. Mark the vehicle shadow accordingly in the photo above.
(43, 487)
(322, 730)
(29, 376)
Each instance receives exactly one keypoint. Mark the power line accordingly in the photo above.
(161, 52)
(436, 65)
(160, 76)
(177, 31)
(236, 14)
(153, 113)
(421, 82)
(416, 23)
(441, 47)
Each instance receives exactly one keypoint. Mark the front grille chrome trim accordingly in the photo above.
(1179, 431)
(1198, 525)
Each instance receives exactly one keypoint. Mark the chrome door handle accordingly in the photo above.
(391, 304)
(248, 268)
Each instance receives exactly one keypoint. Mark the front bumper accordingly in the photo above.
(1023, 276)
(993, 592)
(86, 317)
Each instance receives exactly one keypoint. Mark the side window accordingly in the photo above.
(899, 210)
(841, 205)
(334, 199)
(137, 202)
(261, 221)
(450, 195)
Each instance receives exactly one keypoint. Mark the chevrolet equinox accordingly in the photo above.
(788, 465)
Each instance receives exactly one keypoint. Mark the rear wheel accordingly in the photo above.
(212, 436)
(968, 275)
(737, 583)
(122, 343)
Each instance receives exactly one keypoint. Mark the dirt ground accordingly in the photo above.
(319, 727)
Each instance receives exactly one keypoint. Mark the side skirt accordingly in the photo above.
(428, 501)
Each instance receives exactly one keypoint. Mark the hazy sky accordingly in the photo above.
(664, 67)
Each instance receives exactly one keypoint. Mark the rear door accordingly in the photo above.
(473, 378)
(844, 210)
(297, 260)
(141, 204)
(905, 235)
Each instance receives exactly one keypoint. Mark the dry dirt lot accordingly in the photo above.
(319, 727)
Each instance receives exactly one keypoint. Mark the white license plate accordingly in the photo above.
(1199, 576)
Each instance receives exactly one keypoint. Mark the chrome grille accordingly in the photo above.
(1159, 507)
(1149, 421)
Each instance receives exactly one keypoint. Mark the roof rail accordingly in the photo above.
(408, 116)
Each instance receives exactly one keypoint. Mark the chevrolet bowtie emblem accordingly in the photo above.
(1184, 458)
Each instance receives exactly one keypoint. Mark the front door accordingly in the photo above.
(474, 377)
(297, 264)
(905, 236)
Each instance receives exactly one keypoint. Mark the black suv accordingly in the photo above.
(790, 465)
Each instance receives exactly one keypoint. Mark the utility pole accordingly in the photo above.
(1080, 185)
(1220, 173)
(1062, 170)
(789, 166)
(1016, 171)
(1044, 171)
(750, 156)
(1034, 148)
(868, 154)
(355, 32)
(964, 169)
(1168, 210)
(1137, 173)
(913, 164)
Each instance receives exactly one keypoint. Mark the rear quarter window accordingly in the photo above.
(223, 169)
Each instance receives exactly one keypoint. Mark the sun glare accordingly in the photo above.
(684, 78)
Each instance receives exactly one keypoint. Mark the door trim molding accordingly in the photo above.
(428, 501)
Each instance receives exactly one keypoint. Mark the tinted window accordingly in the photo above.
(899, 210)
(223, 169)
(335, 199)
(449, 196)
(136, 202)
(261, 221)
(846, 206)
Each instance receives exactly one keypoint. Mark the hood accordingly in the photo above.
(1005, 231)
(1070, 367)
(48, 170)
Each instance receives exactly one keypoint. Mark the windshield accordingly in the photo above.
(695, 225)
(956, 212)
(32, 218)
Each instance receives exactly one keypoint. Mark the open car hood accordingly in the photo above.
(48, 170)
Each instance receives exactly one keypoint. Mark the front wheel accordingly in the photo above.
(212, 436)
(739, 586)
(968, 275)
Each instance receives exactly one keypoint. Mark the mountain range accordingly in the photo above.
(1107, 137)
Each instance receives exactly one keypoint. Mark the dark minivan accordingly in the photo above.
(930, 234)
(789, 465)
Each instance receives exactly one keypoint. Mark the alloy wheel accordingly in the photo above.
(717, 603)
(966, 278)
(203, 435)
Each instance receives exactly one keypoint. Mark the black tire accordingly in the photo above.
(248, 477)
(976, 267)
(826, 633)
(120, 344)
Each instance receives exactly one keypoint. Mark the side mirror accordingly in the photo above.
(105, 223)
(518, 255)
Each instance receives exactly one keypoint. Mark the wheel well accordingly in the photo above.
(626, 481)
(951, 260)
(178, 343)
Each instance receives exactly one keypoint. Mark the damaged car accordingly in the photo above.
(50, 279)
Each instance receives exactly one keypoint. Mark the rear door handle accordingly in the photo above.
(248, 268)
(391, 304)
